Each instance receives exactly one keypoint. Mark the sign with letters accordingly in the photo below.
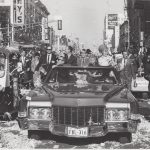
(112, 21)
(18, 12)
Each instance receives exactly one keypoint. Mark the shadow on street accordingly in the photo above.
(78, 141)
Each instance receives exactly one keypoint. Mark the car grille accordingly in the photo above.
(78, 116)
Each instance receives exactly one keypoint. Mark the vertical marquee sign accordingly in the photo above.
(112, 21)
(18, 12)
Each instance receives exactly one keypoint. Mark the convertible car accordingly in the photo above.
(80, 102)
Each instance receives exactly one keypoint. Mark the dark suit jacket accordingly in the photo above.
(43, 62)
(72, 60)
(129, 70)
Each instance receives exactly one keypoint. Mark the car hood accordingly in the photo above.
(92, 97)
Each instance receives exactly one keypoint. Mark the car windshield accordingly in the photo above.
(82, 76)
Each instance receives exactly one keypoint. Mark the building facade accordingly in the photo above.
(6, 17)
(23, 21)
(35, 24)
(139, 23)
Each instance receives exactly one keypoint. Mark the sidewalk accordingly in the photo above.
(142, 85)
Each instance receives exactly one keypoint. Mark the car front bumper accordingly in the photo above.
(92, 131)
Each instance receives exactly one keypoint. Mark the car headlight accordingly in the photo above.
(40, 113)
(117, 114)
(22, 114)
(1, 88)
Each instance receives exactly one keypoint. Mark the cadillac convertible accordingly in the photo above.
(80, 102)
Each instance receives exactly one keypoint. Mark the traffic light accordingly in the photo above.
(59, 24)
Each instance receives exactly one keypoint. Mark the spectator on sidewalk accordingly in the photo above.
(128, 71)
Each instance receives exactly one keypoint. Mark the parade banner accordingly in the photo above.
(18, 12)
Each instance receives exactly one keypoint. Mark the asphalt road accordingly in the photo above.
(12, 137)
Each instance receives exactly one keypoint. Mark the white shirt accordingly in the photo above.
(105, 61)
(23, 60)
(49, 57)
(122, 64)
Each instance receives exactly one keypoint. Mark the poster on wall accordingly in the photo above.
(18, 12)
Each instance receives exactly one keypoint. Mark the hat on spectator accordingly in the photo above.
(70, 48)
(102, 48)
(37, 54)
(14, 56)
(49, 48)
(88, 51)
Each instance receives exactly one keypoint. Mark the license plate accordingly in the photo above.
(78, 132)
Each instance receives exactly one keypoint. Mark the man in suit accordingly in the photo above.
(128, 72)
(23, 58)
(70, 58)
(48, 59)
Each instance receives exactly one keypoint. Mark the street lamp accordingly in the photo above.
(59, 24)
(57, 19)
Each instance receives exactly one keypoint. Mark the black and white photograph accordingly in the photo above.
(74, 74)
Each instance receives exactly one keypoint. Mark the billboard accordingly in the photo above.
(112, 21)
(18, 12)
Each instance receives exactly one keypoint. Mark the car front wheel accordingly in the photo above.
(125, 138)
(33, 134)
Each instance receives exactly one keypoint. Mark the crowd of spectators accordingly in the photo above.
(35, 64)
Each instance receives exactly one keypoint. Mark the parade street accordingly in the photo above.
(14, 138)
(74, 74)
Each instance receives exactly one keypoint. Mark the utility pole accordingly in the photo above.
(8, 33)
(59, 28)
(128, 34)
(126, 15)
(58, 41)
(12, 35)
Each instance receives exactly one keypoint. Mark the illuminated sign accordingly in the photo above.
(18, 12)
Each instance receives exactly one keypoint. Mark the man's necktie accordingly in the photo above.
(49, 58)
(23, 61)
